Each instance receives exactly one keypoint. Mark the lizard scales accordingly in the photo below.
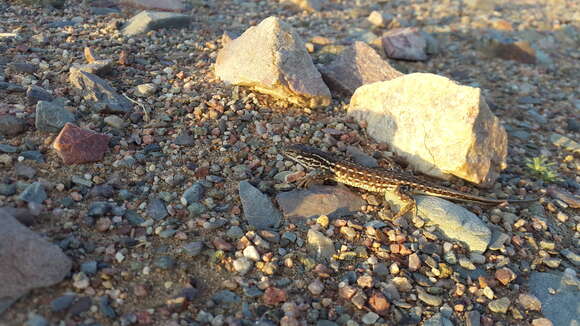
(377, 180)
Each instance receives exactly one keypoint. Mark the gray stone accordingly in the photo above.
(356, 66)
(453, 220)
(193, 248)
(226, 296)
(319, 200)
(29, 261)
(164, 262)
(473, 318)
(405, 43)
(370, 318)
(99, 92)
(258, 208)
(320, 245)
(563, 306)
(573, 257)
(36, 93)
(156, 209)
(52, 116)
(499, 305)
(437, 320)
(565, 142)
(11, 125)
(62, 303)
(193, 194)
(361, 157)
(23, 170)
(114, 121)
(7, 189)
(33, 193)
(272, 59)
(97, 67)
(151, 20)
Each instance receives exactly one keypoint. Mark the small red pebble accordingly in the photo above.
(274, 296)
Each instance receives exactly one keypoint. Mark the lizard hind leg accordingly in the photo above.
(409, 202)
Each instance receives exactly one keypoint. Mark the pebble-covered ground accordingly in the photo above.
(156, 230)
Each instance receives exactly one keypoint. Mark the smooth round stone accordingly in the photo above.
(61, 303)
(499, 305)
(114, 121)
(145, 89)
(89, 267)
(193, 248)
(235, 232)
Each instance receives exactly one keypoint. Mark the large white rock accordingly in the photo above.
(441, 128)
(272, 59)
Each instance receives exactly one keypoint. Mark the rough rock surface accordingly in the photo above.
(453, 220)
(319, 200)
(76, 145)
(28, 261)
(52, 116)
(151, 20)
(258, 209)
(357, 66)
(448, 130)
(405, 44)
(562, 307)
(97, 90)
(283, 69)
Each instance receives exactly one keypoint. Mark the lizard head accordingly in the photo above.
(309, 157)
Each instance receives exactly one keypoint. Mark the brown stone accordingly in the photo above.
(379, 303)
(221, 244)
(505, 275)
(414, 262)
(274, 296)
(356, 66)
(77, 145)
(319, 200)
(346, 292)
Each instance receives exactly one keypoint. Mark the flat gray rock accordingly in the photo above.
(151, 20)
(563, 307)
(405, 44)
(333, 201)
(28, 261)
(99, 91)
(454, 221)
(357, 66)
(52, 116)
(258, 208)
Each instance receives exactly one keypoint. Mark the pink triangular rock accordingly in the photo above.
(77, 145)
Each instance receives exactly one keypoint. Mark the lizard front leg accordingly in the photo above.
(314, 177)
(404, 194)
